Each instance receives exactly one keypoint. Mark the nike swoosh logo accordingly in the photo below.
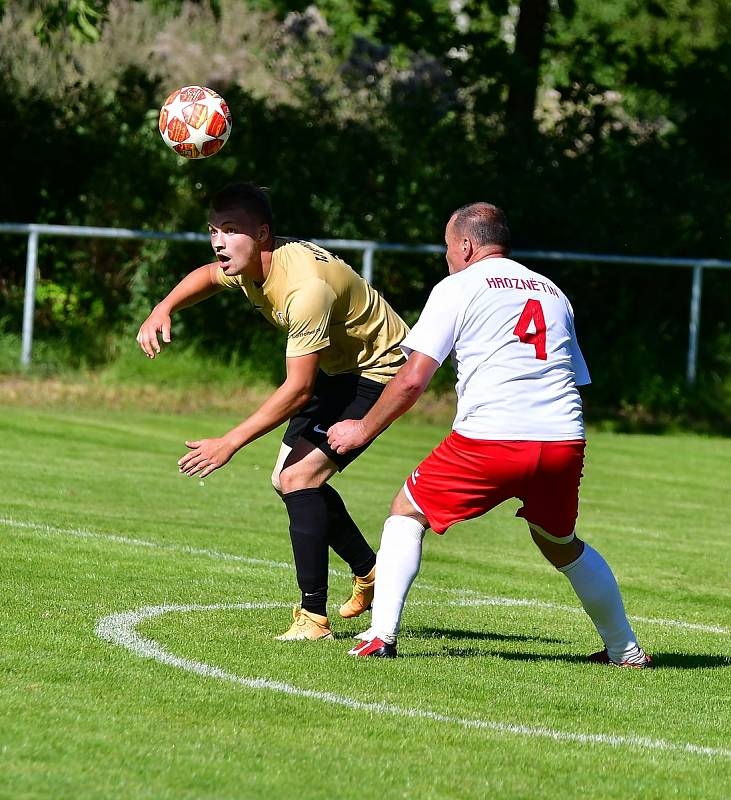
(318, 429)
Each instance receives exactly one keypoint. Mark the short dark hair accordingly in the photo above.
(247, 197)
(483, 222)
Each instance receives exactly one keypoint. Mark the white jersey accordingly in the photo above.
(511, 335)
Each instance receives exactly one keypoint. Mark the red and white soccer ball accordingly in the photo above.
(195, 122)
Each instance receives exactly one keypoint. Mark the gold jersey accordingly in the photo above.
(326, 307)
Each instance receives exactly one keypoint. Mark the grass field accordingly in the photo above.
(138, 609)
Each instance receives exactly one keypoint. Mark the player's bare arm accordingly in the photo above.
(194, 287)
(207, 455)
(397, 398)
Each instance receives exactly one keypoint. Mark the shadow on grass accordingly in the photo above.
(446, 633)
(690, 661)
(659, 660)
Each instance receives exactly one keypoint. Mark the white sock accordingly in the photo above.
(397, 564)
(595, 585)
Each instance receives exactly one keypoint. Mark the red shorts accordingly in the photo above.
(464, 478)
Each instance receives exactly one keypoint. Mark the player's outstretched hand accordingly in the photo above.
(157, 322)
(205, 456)
(346, 435)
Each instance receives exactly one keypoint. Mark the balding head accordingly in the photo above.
(474, 232)
(484, 223)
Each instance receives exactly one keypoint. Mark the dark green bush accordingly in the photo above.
(376, 141)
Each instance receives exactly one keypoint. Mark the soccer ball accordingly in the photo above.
(195, 122)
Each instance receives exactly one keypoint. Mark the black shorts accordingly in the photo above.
(336, 397)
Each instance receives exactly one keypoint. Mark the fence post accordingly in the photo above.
(694, 325)
(367, 266)
(29, 301)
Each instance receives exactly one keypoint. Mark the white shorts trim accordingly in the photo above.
(412, 501)
(554, 539)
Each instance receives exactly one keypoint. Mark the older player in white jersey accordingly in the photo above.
(518, 431)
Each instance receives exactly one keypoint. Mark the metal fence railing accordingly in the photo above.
(368, 250)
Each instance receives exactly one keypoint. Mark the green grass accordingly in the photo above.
(96, 520)
(181, 364)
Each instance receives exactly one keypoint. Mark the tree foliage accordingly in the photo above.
(370, 121)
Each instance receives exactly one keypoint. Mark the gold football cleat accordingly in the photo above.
(306, 625)
(362, 597)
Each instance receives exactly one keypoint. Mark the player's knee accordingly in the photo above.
(287, 480)
(559, 550)
(400, 506)
(403, 507)
(293, 478)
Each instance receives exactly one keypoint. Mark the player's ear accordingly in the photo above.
(263, 233)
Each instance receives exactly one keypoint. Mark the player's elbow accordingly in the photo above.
(300, 396)
(413, 386)
(415, 375)
(304, 398)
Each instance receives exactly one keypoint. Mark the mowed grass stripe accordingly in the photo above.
(259, 562)
(84, 719)
(120, 629)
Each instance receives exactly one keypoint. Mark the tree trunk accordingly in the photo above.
(529, 38)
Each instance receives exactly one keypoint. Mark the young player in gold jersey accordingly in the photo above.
(342, 349)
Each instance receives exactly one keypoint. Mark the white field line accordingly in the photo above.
(467, 597)
(120, 629)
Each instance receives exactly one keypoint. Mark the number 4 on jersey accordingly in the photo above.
(533, 312)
